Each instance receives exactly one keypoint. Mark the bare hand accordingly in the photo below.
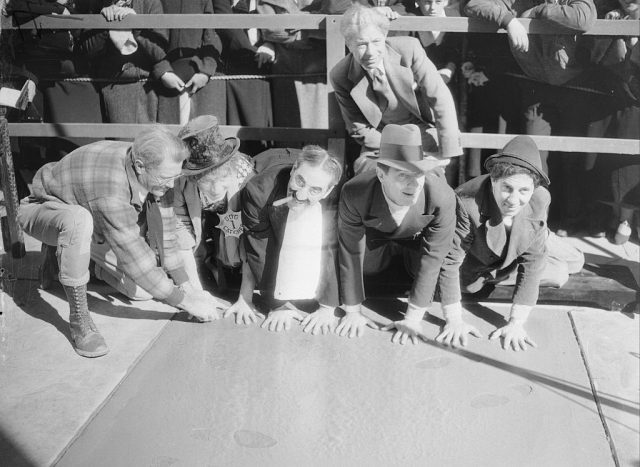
(201, 305)
(197, 82)
(455, 333)
(353, 325)
(266, 53)
(388, 12)
(116, 13)
(279, 320)
(518, 35)
(514, 336)
(406, 329)
(322, 320)
(246, 312)
(172, 81)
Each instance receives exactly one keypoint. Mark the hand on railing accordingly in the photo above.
(266, 53)
(116, 13)
(518, 35)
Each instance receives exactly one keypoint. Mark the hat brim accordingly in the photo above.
(232, 144)
(491, 160)
(423, 166)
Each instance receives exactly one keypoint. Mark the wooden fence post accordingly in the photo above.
(10, 191)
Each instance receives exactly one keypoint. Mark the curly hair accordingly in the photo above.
(506, 169)
(239, 166)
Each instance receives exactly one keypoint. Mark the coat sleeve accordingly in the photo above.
(351, 246)
(449, 280)
(579, 15)
(257, 229)
(153, 42)
(356, 124)
(206, 60)
(532, 262)
(435, 244)
(439, 100)
(499, 12)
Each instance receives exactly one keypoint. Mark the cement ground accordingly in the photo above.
(174, 392)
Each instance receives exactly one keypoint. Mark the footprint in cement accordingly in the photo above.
(433, 363)
(486, 401)
(523, 389)
(163, 461)
(253, 439)
(203, 434)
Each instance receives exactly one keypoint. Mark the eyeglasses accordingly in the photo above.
(163, 181)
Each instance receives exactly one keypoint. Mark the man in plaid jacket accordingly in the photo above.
(107, 196)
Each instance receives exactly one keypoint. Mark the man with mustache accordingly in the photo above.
(402, 208)
(289, 220)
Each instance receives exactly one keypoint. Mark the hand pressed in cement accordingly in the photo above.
(280, 319)
(455, 332)
(245, 311)
(323, 320)
(406, 329)
(353, 324)
(513, 336)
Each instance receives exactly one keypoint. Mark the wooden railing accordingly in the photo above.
(334, 134)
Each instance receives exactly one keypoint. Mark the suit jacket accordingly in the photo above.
(482, 248)
(264, 230)
(364, 216)
(417, 85)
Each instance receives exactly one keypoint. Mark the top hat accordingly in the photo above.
(401, 148)
(523, 152)
(208, 148)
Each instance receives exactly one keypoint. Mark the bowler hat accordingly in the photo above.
(523, 152)
(208, 148)
(401, 148)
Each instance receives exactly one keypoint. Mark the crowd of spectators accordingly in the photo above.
(569, 85)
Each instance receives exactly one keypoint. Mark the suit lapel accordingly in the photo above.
(380, 216)
(490, 216)
(401, 81)
(363, 94)
(521, 233)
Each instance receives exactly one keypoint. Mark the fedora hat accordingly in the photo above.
(523, 152)
(208, 149)
(401, 148)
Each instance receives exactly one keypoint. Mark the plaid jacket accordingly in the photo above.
(100, 178)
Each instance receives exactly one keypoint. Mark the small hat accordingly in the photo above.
(523, 152)
(208, 148)
(401, 148)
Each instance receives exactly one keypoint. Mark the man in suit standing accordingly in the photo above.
(405, 208)
(390, 80)
(290, 240)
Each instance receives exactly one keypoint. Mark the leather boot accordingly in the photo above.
(48, 272)
(87, 340)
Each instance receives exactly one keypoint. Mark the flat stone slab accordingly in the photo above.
(611, 347)
(220, 394)
(47, 391)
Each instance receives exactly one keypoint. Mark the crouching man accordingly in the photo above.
(290, 240)
(502, 238)
(108, 191)
(404, 208)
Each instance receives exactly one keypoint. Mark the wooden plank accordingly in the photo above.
(404, 23)
(469, 140)
(129, 131)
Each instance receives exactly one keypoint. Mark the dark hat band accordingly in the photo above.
(400, 153)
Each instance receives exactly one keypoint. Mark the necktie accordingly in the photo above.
(380, 85)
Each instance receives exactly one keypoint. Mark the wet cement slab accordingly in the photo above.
(48, 392)
(610, 342)
(225, 395)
